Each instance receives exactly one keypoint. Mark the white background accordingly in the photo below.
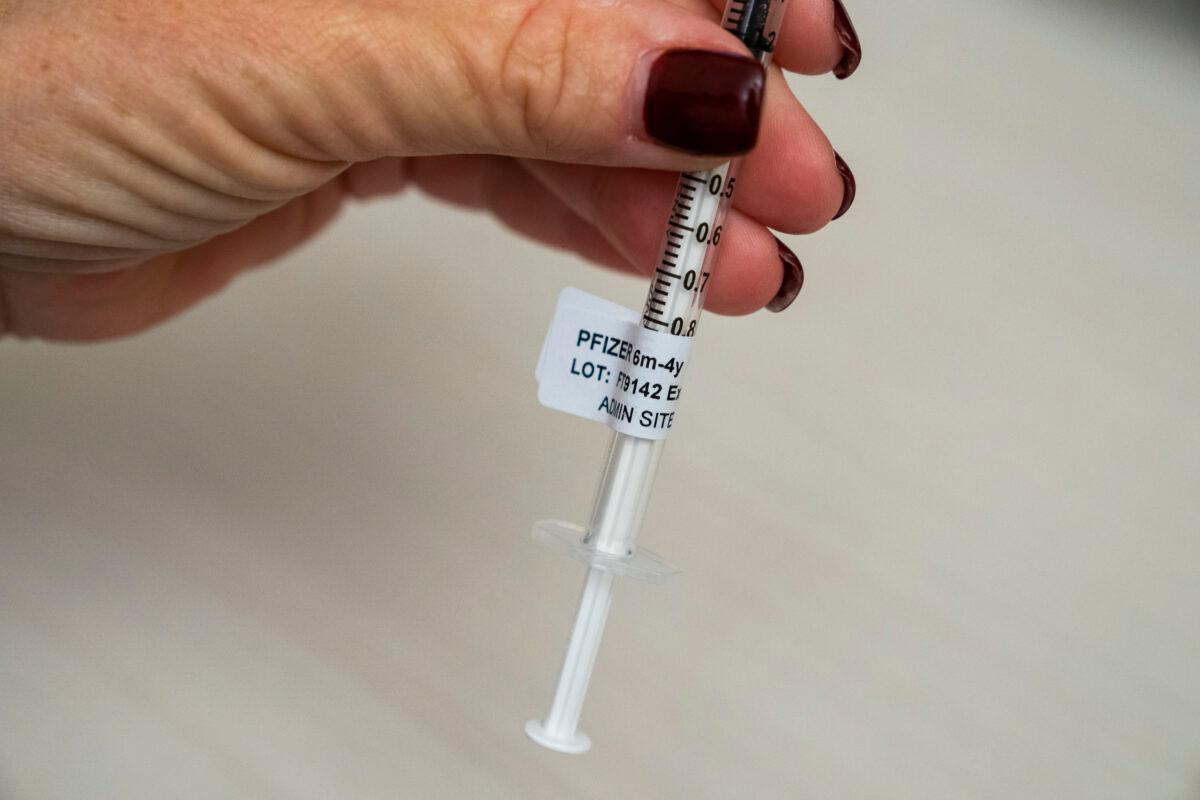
(938, 521)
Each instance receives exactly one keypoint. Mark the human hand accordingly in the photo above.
(149, 151)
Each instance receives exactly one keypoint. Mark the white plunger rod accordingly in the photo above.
(563, 719)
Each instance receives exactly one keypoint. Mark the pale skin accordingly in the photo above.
(151, 150)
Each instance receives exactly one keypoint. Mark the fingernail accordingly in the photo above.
(848, 185)
(852, 50)
(793, 279)
(704, 102)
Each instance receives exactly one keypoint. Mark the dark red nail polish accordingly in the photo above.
(793, 279)
(848, 185)
(704, 102)
(852, 50)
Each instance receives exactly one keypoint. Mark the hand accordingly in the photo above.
(152, 149)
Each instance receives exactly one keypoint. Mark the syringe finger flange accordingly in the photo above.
(571, 540)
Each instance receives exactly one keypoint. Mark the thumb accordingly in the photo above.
(634, 83)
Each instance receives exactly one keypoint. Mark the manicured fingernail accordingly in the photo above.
(852, 50)
(848, 185)
(704, 102)
(793, 279)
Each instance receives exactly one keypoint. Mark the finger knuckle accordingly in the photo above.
(545, 76)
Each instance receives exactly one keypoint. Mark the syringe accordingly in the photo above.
(673, 305)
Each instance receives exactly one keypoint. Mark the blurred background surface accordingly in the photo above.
(939, 520)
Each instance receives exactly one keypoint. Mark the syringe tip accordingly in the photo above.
(574, 744)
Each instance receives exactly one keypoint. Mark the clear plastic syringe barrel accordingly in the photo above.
(690, 249)
(673, 305)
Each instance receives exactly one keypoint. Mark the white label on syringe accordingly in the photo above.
(598, 362)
